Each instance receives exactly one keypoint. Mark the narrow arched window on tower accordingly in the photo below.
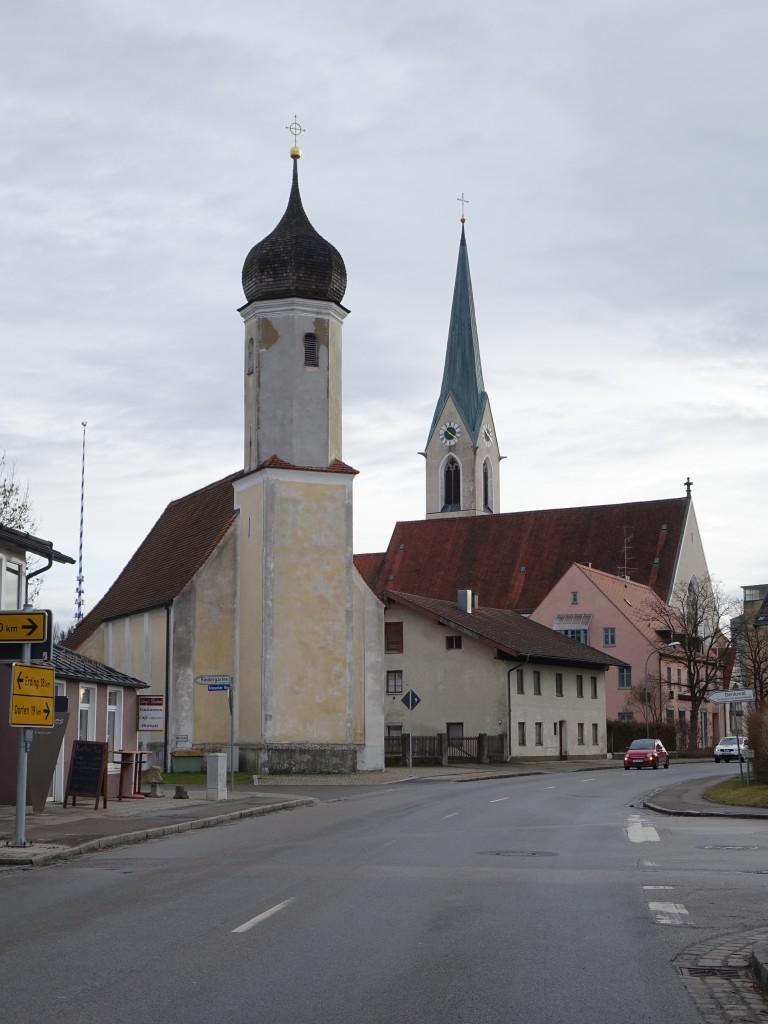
(310, 350)
(487, 488)
(451, 486)
(249, 361)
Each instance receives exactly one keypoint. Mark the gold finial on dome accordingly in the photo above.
(295, 129)
(463, 202)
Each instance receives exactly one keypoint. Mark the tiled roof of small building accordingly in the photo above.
(76, 667)
(294, 261)
(512, 560)
(174, 549)
(507, 631)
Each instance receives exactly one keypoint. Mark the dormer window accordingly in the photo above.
(310, 350)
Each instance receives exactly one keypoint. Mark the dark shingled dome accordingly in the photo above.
(294, 261)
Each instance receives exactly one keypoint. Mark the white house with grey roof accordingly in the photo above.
(488, 670)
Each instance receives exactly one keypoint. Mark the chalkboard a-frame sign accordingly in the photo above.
(87, 772)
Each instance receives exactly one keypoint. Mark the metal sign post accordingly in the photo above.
(744, 696)
(218, 684)
(411, 699)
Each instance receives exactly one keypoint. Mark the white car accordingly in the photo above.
(729, 749)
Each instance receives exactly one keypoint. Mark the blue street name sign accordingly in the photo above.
(218, 686)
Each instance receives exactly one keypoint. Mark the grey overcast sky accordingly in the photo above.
(614, 156)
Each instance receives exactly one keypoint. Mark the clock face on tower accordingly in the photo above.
(487, 435)
(450, 433)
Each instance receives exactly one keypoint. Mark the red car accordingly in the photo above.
(645, 754)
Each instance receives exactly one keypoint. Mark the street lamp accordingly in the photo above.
(656, 650)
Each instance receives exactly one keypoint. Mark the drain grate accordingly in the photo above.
(712, 972)
(730, 847)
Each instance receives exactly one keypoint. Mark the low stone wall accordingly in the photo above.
(298, 758)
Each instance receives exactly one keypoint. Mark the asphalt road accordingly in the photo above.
(544, 899)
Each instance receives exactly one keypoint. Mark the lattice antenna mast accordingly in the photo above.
(80, 578)
(625, 571)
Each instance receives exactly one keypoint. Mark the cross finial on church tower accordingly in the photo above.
(295, 129)
(688, 486)
(463, 202)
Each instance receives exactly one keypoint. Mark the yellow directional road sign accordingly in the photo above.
(23, 627)
(32, 695)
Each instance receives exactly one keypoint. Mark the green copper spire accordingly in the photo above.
(463, 374)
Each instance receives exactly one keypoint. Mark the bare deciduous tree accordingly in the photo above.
(697, 619)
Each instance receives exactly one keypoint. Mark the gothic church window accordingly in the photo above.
(487, 487)
(451, 486)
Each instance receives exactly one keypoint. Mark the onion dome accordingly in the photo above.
(294, 261)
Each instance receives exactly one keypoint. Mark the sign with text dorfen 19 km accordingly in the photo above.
(214, 680)
(731, 696)
(32, 693)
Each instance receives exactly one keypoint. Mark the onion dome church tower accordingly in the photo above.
(309, 649)
(462, 452)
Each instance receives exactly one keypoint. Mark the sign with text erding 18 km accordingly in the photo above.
(32, 696)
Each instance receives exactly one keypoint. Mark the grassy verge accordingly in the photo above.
(200, 778)
(739, 794)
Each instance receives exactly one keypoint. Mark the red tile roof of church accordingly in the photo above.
(513, 560)
(179, 543)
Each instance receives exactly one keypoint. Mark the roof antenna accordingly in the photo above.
(80, 578)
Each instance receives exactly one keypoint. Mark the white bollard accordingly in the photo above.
(216, 765)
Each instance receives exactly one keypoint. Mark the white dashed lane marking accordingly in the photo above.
(640, 830)
(499, 799)
(262, 917)
(668, 913)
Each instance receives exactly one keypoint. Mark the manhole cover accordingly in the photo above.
(731, 847)
(518, 853)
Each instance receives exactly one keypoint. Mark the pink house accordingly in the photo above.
(613, 614)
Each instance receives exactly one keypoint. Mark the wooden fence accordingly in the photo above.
(440, 749)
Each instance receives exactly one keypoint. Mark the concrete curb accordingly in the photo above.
(140, 836)
(759, 964)
(681, 813)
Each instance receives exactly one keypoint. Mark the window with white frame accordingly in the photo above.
(12, 595)
(86, 721)
(626, 716)
(609, 636)
(115, 719)
(625, 677)
(395, 682)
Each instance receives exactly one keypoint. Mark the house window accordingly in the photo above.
(580, 734)
(86, 722)
(625, 677)
(593, 686)
(681, 715)
(394, 682)
(520, 681)
(575, 626)
(537, 683)
(679, 679)
(670, 716)
(609, 636)
(574, 597)
(626, 716)
(595, 738)
(393, 637)
(310, 350)
(455, 730)
(394, 731)
(249, 362)
(669, 675)
(114, 719)
(558, 684)
(538, 734)
(579, 686)
(451, 486)
(580, 635)
(13, 579)
(521, 734)
(453, 643)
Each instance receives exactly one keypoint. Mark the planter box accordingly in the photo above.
(184, 762)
